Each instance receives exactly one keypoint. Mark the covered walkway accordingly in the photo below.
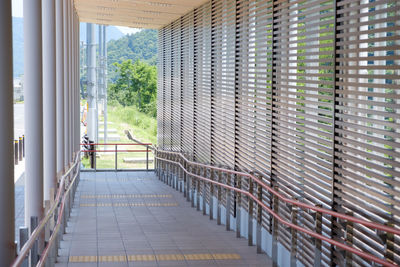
(133, 219)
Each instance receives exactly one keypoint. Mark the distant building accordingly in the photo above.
(19, 89)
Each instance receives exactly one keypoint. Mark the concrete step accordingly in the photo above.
(110, 131)
(108, 123)
(136, 160)
(110, 137)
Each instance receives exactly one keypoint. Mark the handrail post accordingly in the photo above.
(95, 158)
(191, 187)
(228, 204)
(259, 218)
(389, 248)
(35, 247)
(198, 172)
(204, 192)
(211, 195)
(23, 238)
(238, 205)
(275, 230)
(250, 214)
(181, 174)
(116, 157)
(186, 180)
(293, 251)
(219, 194)
(147, 157)
(349, 240)
(318, 243)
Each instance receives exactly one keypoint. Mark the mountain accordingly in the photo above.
(141, 45)
(113, 33)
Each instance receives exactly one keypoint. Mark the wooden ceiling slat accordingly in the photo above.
(134, 13)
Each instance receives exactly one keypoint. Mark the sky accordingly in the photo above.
(17, 12)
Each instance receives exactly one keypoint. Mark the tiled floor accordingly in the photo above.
(19, 205)
(136, 220)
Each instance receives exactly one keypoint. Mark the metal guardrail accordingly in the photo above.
(164, 168)
(59, 212)
(92, 150)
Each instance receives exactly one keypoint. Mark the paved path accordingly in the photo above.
(19, 126)
(133, 219)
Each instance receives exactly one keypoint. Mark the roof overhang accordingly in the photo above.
(134, 13)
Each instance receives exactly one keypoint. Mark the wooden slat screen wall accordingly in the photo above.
(176, 86)
(367, 150)
(223, 82)
(160, 89)
(167, 88)
(303, 110)
(187, 46)
(304, 93)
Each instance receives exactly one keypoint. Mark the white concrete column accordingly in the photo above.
(7, 248)
(78, 88)
(71, 83)
(49, 94)
(60, 86)
(66, 85)
(33, 109)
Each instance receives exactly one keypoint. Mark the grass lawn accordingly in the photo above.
(142, 128)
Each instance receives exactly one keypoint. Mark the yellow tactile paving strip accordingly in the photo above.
(126, 196)
(129, 204)
(157, 257)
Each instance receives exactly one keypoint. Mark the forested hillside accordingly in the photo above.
(141, 45)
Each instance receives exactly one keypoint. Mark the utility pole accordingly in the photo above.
(105, 80)
(91, 84)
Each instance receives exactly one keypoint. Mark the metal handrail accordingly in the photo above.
(35, 234)
(91, 148)
(53, 236)
(293, 202)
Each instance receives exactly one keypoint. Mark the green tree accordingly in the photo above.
(135, 85)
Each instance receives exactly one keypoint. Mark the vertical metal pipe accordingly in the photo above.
(219, 195)
(238, 206)
(33, 109)
(91, 83)
(147, 157)
(49, 92)
(228, 204)
(116, 157)
(35, 248)
(105, 80)
(23, 238)
(204, 206)
(212, 195)
(7, 250)
(60, 86)
(16, 152)
(349, 240)
(318, 243)
(20, 148)
(293, 252)
(259, 218)
(250, 215)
